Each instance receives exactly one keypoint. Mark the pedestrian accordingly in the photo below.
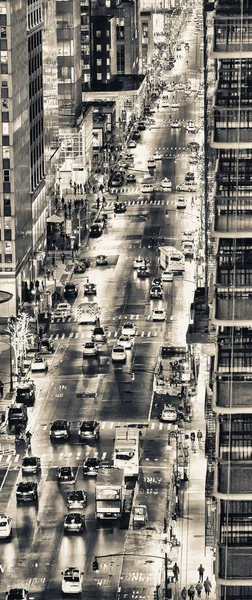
(183, 593)
(192, 437)
(48, 272)
(56, 203)
(43, 284)
(40, 333)
(37, 284)
(201, 569)
(175, 569)
(207, 586)
(62, 202)
(1, 389)
(199, 588)
(191, 592)
(199, 436)
(53, 260)
(63, 256)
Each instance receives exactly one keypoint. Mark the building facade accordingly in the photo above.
(22, 189)
(232, 230)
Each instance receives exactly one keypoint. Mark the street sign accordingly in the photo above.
(86, 395)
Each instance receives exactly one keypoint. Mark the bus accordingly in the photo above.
(127, 451)
(171, 259)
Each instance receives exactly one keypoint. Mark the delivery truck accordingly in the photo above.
(109, 493)
(88, 312)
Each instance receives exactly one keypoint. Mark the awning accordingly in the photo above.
(55, 219)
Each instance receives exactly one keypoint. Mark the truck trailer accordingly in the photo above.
(109, 493)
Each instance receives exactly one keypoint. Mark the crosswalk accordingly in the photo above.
(112, 335)
(143, 202)
(67, 455)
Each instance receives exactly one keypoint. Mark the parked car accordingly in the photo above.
(169, 414)
(166, 184)
(71, 290)
(5, 527)
(95, 230)
(17, 415)
(132, 144)
(45, 346)
(25, 392)
(39, 364)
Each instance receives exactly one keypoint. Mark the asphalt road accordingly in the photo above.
(39, 551)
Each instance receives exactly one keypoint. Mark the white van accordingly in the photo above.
(72, 581)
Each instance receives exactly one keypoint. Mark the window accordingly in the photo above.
(107, 32)
(99, 62)
(5, 117)
(98, 33)
(108, 61)
(120, 29)
(7, 234)
(8, 258)
(7, 207)
(120, 59)
(98, 47)
(6, 175)
(5, 140)
(99, 76)
(108, 47)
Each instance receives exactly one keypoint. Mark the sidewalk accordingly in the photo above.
(190, 526)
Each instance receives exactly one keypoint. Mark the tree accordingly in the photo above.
(20, 337)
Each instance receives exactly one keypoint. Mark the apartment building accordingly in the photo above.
(232, 304)
(22, 182)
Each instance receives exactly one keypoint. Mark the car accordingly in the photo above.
(141, 126)
(147, 188)
(143, 272)
(158, 156)
(95, 230)
(79, 268)
(191, 127)
(139, 261)
(167, 275)
(63, 309)
(131, 178)
(181, 203)
(25, 392)
(5, 527)
(128, 328)
(168, 414)
(158, 314)
(31, 465)
(187, 186)
(132, 144)
(71, 290)
(140, 515)
(45, 346)
(91, 466)
(189, 176)
(66, 475)
(39, 364)
(17, 415)
(120, 207)
(26, 491)
(89, 430)
(151, 164)
(176, 124)
(156, 292)
(17, 594)
(125, 341)
(99, 335)
(136, 135)
(193, 159)
(90, 289)
(166, 184)
(157, 281)
(116, 180)
(118, 353)
(60, 430)
(76, 499)
(101, 260)
(175, 104)
(74, 523)
(193, 146)
(72, 581)
(90, 349)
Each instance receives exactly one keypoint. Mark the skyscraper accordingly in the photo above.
(22, 189)
(232, 305)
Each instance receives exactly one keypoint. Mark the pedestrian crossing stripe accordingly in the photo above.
(110, 335)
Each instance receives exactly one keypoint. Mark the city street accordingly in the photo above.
(76, 388)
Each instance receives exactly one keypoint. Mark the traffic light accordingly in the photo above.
(95, 565)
